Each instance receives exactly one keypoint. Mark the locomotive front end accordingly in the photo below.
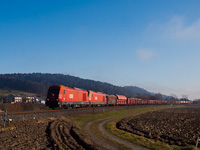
(53, 96)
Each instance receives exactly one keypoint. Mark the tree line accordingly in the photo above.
(39, 82)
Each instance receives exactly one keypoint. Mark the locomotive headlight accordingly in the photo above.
(47, 99)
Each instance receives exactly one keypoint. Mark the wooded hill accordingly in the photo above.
(39, 82)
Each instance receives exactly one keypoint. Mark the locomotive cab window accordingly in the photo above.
(64, 92)
(53, 91)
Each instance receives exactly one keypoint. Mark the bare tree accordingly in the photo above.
(184, 97)
(174, 97)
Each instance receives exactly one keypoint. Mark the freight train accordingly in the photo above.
(64, 96)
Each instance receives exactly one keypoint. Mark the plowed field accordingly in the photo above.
(180, 126)
(43, 130)
(57, 134)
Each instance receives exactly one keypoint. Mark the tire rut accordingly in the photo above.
(63, 135)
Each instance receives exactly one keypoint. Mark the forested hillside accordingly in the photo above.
(39, 83)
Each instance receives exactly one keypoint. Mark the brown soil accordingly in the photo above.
(174, 126)
(63, 135)
(26, 136)
(57, 134)
(31, 133)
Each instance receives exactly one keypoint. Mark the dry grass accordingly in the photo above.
(18, 107)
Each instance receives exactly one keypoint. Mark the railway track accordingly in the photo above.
(37, 111)
(93, 109)
(42, 114)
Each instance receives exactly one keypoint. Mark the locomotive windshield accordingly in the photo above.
(53, 92)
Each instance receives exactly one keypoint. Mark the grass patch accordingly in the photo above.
(81, 120)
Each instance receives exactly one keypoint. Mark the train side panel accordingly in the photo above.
(96, 98)
(74, 97)
(121, 100)
(59, 95)
(111, 100)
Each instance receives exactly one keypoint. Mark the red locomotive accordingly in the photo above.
(64, 96)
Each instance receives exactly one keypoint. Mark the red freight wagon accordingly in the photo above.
(137, 101)
(151, 102)
(140, 101)
(159, 102)
(111, 100)
(190, 102)
(178, 102)
(59, 95)
(131, 101)
(121, 100)
(144, 102)
(96, 98)
(164, 102)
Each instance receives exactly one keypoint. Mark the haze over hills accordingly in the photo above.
(39, 82)
(137, 91)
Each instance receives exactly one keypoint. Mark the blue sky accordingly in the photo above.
(152, 44)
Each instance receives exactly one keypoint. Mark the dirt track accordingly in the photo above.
(114, 143)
